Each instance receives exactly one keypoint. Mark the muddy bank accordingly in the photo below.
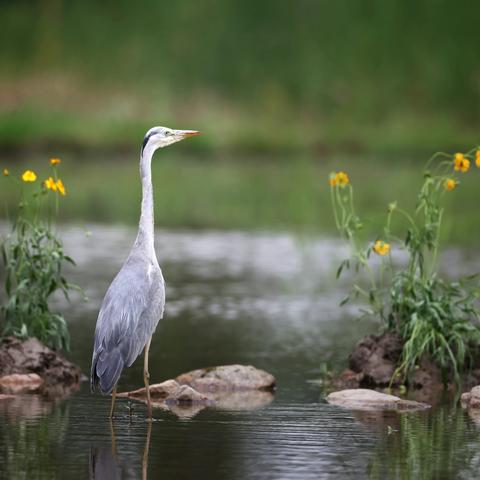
(373, 362)
(30, 366)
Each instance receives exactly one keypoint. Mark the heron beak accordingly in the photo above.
(187, 133)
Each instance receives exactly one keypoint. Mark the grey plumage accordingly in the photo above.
(135, 300)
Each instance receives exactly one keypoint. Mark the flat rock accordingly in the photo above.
(365, 399)
(32, 356)
(227, 378)
(18, 382)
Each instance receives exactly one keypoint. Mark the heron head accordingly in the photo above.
(159, 137)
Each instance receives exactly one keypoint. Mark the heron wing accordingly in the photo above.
(128, 317)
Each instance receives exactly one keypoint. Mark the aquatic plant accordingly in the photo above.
(434, 317)
(34, 258)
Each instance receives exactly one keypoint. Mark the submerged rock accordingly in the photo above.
(30, 356)
(228, 378)
(364, 399)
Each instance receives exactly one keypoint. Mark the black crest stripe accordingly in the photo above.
(146, 139)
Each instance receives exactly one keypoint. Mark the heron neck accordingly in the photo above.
(145, 236)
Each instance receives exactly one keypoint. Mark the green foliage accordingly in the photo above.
(308, 72)
(33, 258)
(435, 318)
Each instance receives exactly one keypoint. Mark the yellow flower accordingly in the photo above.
(382, 248)
(50, 184)
(55, 161)
(461, 164)
(6, 173)
(340, 178)
(333, 180)
(29, 176)
(61, 187)
(449, 184)
(477, 159)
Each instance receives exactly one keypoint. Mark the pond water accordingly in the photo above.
(261, 299)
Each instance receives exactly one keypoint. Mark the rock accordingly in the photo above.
(364, 399)
(228, 378)
(17, 382)
(186, 395)
(232, 387)
(426, 376)
(348, 379)
(31, 356)
(158, 391)
(471, 399)
(471, 402)
(376, 357)
(168, 391)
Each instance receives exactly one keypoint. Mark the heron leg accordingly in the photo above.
(145, 452)
(112, 407)
(114, 442)
(146, 379)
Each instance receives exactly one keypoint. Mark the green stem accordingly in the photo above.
(335, 214)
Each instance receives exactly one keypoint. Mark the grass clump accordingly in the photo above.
(435, 317)
(33, 258)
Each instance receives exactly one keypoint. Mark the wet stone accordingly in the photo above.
(228, 378)
(365, 399)
(471, 399)
(19, 383)
(158, 391)
(237, 387)
(31, 356)
(187, 395)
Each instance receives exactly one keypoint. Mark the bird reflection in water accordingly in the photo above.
(105, 464)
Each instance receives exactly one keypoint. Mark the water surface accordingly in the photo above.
(261, 299)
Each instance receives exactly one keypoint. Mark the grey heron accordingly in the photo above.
(135, 300)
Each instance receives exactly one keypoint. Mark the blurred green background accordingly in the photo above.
(284, 90)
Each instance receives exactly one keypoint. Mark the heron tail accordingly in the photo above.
(106, 370)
